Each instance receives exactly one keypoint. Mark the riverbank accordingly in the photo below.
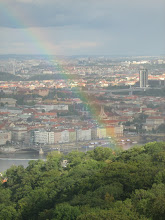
(16, 151)
(21, 158)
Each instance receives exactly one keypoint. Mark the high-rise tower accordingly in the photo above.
(143, 78)
(13, 67)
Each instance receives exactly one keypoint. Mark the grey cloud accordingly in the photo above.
(88, 13)
(114, 26)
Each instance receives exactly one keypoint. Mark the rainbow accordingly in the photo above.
(40, 42)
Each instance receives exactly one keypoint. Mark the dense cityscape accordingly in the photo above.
(57, 103)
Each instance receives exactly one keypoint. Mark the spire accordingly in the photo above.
(102, 114)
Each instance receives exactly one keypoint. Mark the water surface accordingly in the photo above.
(7, 160)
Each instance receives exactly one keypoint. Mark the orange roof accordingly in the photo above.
(4, 181)
(47, 114)
(71, 130)
(4, 113)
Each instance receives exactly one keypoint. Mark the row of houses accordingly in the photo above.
(43, 136)
(153, 122)
(73, 135)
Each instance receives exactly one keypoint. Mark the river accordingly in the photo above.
(7, 160)
(23, 158)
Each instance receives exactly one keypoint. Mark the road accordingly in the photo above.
(115, 90)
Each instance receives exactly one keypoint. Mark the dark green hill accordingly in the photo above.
(53, 77)
(100, 185)
(9, 77)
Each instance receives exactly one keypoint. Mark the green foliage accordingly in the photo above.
(53, 77)
(9, 77)
(102, 154)
(151, 202)
(161, 128)
(7, 212)
(64, 211)
(141, 118)
(100, 184)
(120, 211)
(75, 158)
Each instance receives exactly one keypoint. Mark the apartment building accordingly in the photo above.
(19, 133)
(44, 137)
(101, 133)
(4, 137)
(72, 135)
(84, 134)
(64, 136)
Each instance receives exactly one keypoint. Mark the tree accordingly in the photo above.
(143, 200)
(64, 211)
(102, 154)
(161, 128)
(7, 212)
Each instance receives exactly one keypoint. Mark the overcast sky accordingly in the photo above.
(82, 27)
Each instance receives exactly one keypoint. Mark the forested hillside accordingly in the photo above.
(9, 77)
(101, 184)
(53, 77)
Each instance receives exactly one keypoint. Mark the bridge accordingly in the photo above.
(22, 159)
(42, 148)
(129, 90)
(60, 147)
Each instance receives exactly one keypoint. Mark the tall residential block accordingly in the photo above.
(143, 78)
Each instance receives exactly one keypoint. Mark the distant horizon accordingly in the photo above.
(85, 55)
